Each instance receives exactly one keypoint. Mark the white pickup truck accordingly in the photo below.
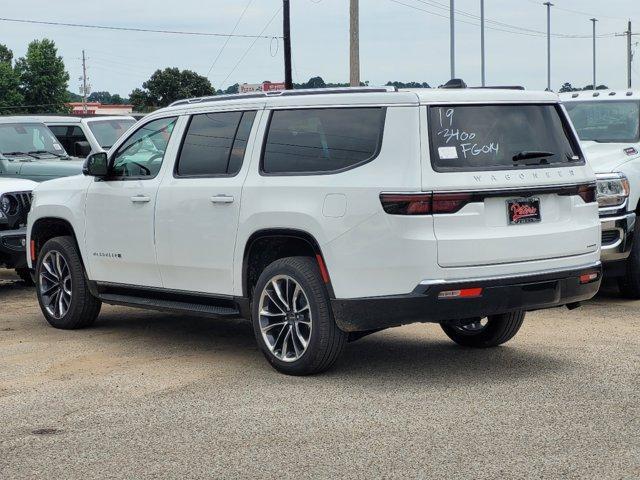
(608, 124)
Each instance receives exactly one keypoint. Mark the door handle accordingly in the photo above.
(140, 199)
(222, 199)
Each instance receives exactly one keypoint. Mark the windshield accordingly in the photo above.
(498, 137)
(108, 131)
(606, 122)
(28, 138)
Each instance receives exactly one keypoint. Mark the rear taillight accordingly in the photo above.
(423, 203)
(587, 193)
(406, 203)
(450, 202)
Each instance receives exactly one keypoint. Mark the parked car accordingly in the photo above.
(29, 150)
(326, 215)
(608, 124)
(84, 135)
(15, 201)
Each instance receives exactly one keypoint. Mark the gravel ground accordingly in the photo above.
(151, 395)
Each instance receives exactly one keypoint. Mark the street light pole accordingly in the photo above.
(548, 5)
(594, 20)
(286, 29)
(452, 33)
(354, 43)
(482, 61)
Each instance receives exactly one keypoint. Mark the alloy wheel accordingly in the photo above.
(285, 318)
(55, 284)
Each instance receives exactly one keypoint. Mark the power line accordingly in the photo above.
(229, 38)
(251, 46)
(131, 29)
(507, 28)
(579, 12)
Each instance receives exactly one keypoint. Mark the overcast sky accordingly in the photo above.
(397, 42)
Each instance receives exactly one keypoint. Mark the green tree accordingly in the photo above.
(43, 78)
(10, 95)
(102, 97)
(567, 87)
(6, 55)
(168, 85)
(116, 99)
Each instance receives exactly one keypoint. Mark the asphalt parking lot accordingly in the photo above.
(151, 395)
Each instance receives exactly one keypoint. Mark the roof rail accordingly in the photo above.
(284, 93)
(501, 87)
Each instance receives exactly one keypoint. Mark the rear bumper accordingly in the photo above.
(13, 248)
(499, 295)
(617, 237)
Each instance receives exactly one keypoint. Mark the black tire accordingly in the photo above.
(25, 276)
(499, 329)
(629, 284)
(326, 341)
(83, 307)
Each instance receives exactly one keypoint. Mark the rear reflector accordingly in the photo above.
(463, 293)
(323, 268)
(589, 277)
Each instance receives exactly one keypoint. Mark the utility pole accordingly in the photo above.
(629, 33)
(594, 20)
(548, 5)
(354, 36)
(629, 55)
(286, 27)
(84, 84)
(452, 33)
(482, 62)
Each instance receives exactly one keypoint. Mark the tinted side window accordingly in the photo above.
(322, 140)
(215, 144)
(61, 133)
(142, 154)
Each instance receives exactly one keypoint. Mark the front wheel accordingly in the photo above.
(63, 293)
(292, 318)
(486, 332)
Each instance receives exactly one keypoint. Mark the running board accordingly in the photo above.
(170, 306)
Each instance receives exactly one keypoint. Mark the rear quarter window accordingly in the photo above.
(322, 140)
(498, 137)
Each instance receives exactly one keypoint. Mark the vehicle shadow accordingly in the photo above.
(384, 358)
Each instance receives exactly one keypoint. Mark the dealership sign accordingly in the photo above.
(261, 87)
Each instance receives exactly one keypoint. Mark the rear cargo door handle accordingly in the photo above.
(140, 199)
(222, 199)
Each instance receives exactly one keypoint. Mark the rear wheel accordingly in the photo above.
(63, 293)
(292, 318)
(485, 332)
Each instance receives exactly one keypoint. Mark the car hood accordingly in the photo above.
(607, 157)
(16, 185)
(51, 168)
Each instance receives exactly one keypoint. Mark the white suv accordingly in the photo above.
(326, 215)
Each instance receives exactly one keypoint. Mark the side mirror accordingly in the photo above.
(96, 165)
(81, 149)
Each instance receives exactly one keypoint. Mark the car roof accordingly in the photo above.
(73, 119)
(600, 95)
(358, 96)
(12, 119)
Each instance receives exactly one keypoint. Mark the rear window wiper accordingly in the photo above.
(533, 155)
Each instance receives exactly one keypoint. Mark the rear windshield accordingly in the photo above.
(606, 122)
(499, 137)
(108, 131)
